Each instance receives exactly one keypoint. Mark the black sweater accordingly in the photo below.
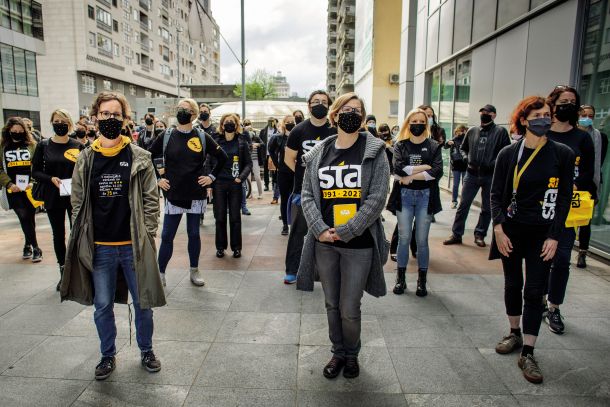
(245, 158)
(276, 148)
(544, 193)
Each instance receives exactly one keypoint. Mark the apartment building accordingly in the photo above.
(340, 46)
(137, 47)
(282, 87)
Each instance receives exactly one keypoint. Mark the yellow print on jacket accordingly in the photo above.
(194, 144)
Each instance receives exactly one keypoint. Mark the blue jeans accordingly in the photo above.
(457, 177)
(243, 197)
(107, 261)
(414, 207)
(170, 227)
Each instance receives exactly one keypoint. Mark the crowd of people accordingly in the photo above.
(332, 174)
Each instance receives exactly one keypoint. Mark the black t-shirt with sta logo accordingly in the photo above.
(18, 160)
(302, 139)
(419, 154)
(340, 176)
(231, 169)
(110, 197)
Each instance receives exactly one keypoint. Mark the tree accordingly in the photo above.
(259, 86)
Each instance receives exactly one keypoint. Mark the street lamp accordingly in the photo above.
(178, 31)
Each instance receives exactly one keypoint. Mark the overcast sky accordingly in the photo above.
(281, 35)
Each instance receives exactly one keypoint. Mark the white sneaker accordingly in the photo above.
(196, 277)
(259, 197)
(163, 279)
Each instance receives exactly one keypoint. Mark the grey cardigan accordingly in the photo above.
(375, 175)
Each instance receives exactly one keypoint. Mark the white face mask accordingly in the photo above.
(430, 121)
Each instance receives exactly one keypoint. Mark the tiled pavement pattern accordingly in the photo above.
(246, 339)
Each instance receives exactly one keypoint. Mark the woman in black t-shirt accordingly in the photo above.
(530, 199)
(227, 187)
(418, 165)
(285, 175)
(16, 150)
(53, 165)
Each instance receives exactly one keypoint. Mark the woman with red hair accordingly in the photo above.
(530, 199)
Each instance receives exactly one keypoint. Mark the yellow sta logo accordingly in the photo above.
(577, 162)
(72, 154)
(194, 144)
(235, 158)
(553, 182)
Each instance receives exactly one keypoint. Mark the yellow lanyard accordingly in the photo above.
(518, 174)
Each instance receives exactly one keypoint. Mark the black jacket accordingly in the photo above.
(245, 159)
(483, 162)
(260, 150)
(276, 148)
(454, 150)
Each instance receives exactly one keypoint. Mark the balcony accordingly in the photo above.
(104, 27)
(144, 4)
(165, 3)
(144, 25)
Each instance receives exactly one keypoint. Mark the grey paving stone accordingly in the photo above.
(6, 307)
(483, 303)
(586, 305)
(14, 347)
(61, 357)
(21, 290)
(426, 331)
(109, 394)
(180, 363)
(376, 371)
(223, 397)
(216, 279)
(186, 325)
(35, 392)
(84, 325)
(266, 299)
(445, 371)
(201, 298)
(174, 277)
(266, 278)
(312, 302)
(584, 333)
(457, 283)
(458, 400)
(257, 327)
(562, 401)
(352, 399)
(587, 284)
(406, 304)
(314, 331)
(38, 319)
(565, 373)
(254, 366)
(50, 296)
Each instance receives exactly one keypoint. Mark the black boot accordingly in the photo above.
(401, 284)
(581, 263)
(61, 276)
(421, 283)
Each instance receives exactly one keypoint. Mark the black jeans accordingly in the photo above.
(558, 280)
(57, 219)
(527, 243)
(286, 183)
(27, 220)
(227, 196)
(266, 173)
(470, 188)
(584, 237)
(296, 239)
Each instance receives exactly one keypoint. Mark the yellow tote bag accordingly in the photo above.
(35, 203)
(581, 210)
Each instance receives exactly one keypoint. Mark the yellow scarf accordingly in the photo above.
(111, 151)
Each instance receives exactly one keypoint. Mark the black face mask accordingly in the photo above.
(565, 113)
(385, 136)
(204, 116)
(17, 136)
(80, 133)
(486, 118)
(417, 129)
(183, 117)
(110, 128)
(148, 121)
(298, 119)
(349, 122)
(91, 133)
(229, 127)
(61, 129)
(319, 111)
(289, 126)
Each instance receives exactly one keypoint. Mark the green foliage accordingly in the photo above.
(259, 86)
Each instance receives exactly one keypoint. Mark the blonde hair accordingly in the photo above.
(238, 128)
(342, 101)
(405, 131)
(192, 103)
(64, 115)
(282, 122)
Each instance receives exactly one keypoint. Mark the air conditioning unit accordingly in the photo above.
(394, 78)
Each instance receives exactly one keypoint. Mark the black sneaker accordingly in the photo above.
(150, 362)
(351, 369)
(236, 254)
(333, 368)
(36, 255)
(555, 321)
(453, 239)
(105, 368)
(285, 230)
(220, 254)
(27, 252)
(61, 276)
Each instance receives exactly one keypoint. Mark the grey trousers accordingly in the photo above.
(343, 274)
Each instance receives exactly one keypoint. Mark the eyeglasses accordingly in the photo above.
(182, 110)
(318, 102)
(349, 109)
(105, 115)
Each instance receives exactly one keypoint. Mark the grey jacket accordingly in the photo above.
(76, 284)
(375, 174)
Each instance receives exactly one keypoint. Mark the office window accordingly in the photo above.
(31, 74)
(508, 10)
(92, 40)
(26, 16)
(445, 113)
(484, 19)
(117, 50)
(114, 3)
(432, 50)
(147, 93)
(119, 87)
(21, 81)
(87, 84)
(604, 86)
(16, 22)
(107, 84)
(132, 90)
(115, 25)
(434, 89)
(104, 44)
(91, 12)
(446, 30)
(462, 91)
(37, 30)
(104, 17)
(8, 70)
(393, 108)
(5, 14)
(462, 24)
(128, 60)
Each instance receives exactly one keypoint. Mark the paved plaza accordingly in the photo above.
(246, 339)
